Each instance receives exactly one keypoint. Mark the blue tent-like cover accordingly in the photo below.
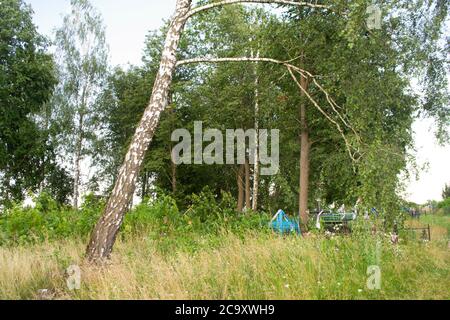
(283, 224)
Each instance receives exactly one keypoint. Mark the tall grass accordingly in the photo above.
(253, 266)
(212, 252)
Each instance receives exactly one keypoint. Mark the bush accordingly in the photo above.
(157, 220)
(47, 221)
(161, 215)
(444, 206)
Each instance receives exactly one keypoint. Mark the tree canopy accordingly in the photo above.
(27, 80)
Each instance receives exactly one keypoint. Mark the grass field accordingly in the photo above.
(226, 266)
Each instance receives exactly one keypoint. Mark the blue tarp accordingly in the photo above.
(283, 224)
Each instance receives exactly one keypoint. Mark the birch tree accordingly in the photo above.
(256, 160)
(82, 55)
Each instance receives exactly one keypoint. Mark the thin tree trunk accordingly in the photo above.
(304, 177)
(105, 232)
(256, 165)
(248, 203)
(79, 146)
(240, 184)
(7, 188)
(174, 177)
(172, 163)
(42, 184)
(305, 147)
(144, 185)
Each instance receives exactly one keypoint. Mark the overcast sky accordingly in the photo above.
(128, 21)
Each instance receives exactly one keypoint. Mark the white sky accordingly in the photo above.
(127, 23)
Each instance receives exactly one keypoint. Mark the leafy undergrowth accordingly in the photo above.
(160, 219)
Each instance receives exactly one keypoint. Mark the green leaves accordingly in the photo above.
(82, 55)
(27, 80)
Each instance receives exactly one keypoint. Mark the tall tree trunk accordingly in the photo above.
(248, 203)
(305, 147)
(77, 164)
(144, 185)
(240, 183)
(105, 232)
(256, 165)
(173, 165)
(45, 158)
(174, 177)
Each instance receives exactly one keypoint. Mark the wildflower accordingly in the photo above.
(286, 286)
(360, 290)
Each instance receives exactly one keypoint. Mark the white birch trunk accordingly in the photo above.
(256, 165)
(104, 234)
(77, 165)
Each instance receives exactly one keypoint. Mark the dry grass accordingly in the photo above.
(258, 267)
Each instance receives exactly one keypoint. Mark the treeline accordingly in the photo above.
(65, 114)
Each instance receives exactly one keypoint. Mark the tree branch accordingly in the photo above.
(338, 126)
(237, 59)
(227, 2)
(334, 106)
(291, 68)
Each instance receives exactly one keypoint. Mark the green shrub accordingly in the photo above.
(47, 220)
(159, 220)
(161, 215)
(444, 206)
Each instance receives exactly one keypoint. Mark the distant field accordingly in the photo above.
(438, 221)
(250, 266)
(439, 224)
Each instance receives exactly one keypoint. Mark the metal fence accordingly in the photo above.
(423, 232)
